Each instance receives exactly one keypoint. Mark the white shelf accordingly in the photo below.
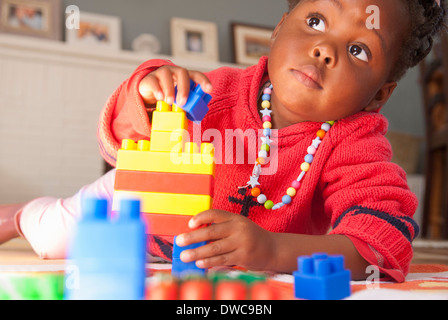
(49, 49)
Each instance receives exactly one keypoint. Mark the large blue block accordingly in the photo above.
(196, 106)
(107, 256)
(321, 277)
(181, 269)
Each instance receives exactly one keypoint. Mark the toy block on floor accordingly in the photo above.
(321, 277)
(107, 257)
(213, 286)
(181, 269)
(31, 286)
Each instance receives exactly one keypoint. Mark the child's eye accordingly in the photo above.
(316, 23)
(359, 53)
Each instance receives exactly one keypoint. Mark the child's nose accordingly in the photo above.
(326, 54)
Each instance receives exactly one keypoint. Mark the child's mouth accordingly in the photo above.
(309, 76)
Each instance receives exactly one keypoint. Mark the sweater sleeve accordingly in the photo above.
(47, 223)
(368, 198)
(125, 115)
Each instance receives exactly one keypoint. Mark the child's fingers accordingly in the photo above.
(160, 85)
(210, 233)
(216, 261)
(202, 80)
(217, 253)
(209, 217)
(182, 78)
(150, 90)
(166, 82)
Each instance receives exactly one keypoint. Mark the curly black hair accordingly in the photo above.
(427, 21)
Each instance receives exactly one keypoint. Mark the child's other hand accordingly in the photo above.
(160, 84)
(7, 225)
(234, 240)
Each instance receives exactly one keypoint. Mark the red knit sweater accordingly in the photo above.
(351, 189)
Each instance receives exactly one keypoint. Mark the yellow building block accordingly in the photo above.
(167, 141)
(167, 118)
(134, 156)
(165, 203)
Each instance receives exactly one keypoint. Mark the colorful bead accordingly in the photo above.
(265, 147)
(291, 192)
(265, 104)
(266, 118)
(325, 126)
(309, 158)
(262, 154)
(295, 184)
(286, 199)
(268, 204)
(261, 161)
(267, 125)
(255, 192)
(311, 150)
(267, 132)
(261, 199)
(331, 122)
(267, 91)
(305, 166)
(321, 134)
(266, 97)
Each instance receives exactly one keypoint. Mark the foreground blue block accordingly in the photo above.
(107, 256)
(181, 269)
(321, 277)
(196, 106)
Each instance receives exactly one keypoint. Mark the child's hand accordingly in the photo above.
(159, 85)
(234, 240)
(7, 225)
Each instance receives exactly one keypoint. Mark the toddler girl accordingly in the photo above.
(315, 100)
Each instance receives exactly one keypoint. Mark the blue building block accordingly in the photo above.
(196, 106)
(181, 269)
(321, 277)
(107, 256)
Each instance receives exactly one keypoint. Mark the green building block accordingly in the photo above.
(32, 286)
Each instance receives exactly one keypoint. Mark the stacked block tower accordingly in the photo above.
(172, 177)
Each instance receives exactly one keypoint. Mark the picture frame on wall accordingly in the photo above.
(250, 42)
(96, 31)
(194, 39)
(33, 18)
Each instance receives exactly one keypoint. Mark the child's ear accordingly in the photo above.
(382, 96)
(277, 28)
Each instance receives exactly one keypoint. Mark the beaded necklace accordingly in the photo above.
(263, 154)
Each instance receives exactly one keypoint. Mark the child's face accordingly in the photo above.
(325, 64)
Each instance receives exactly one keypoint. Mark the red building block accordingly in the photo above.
(164, 182)
(166, 224)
